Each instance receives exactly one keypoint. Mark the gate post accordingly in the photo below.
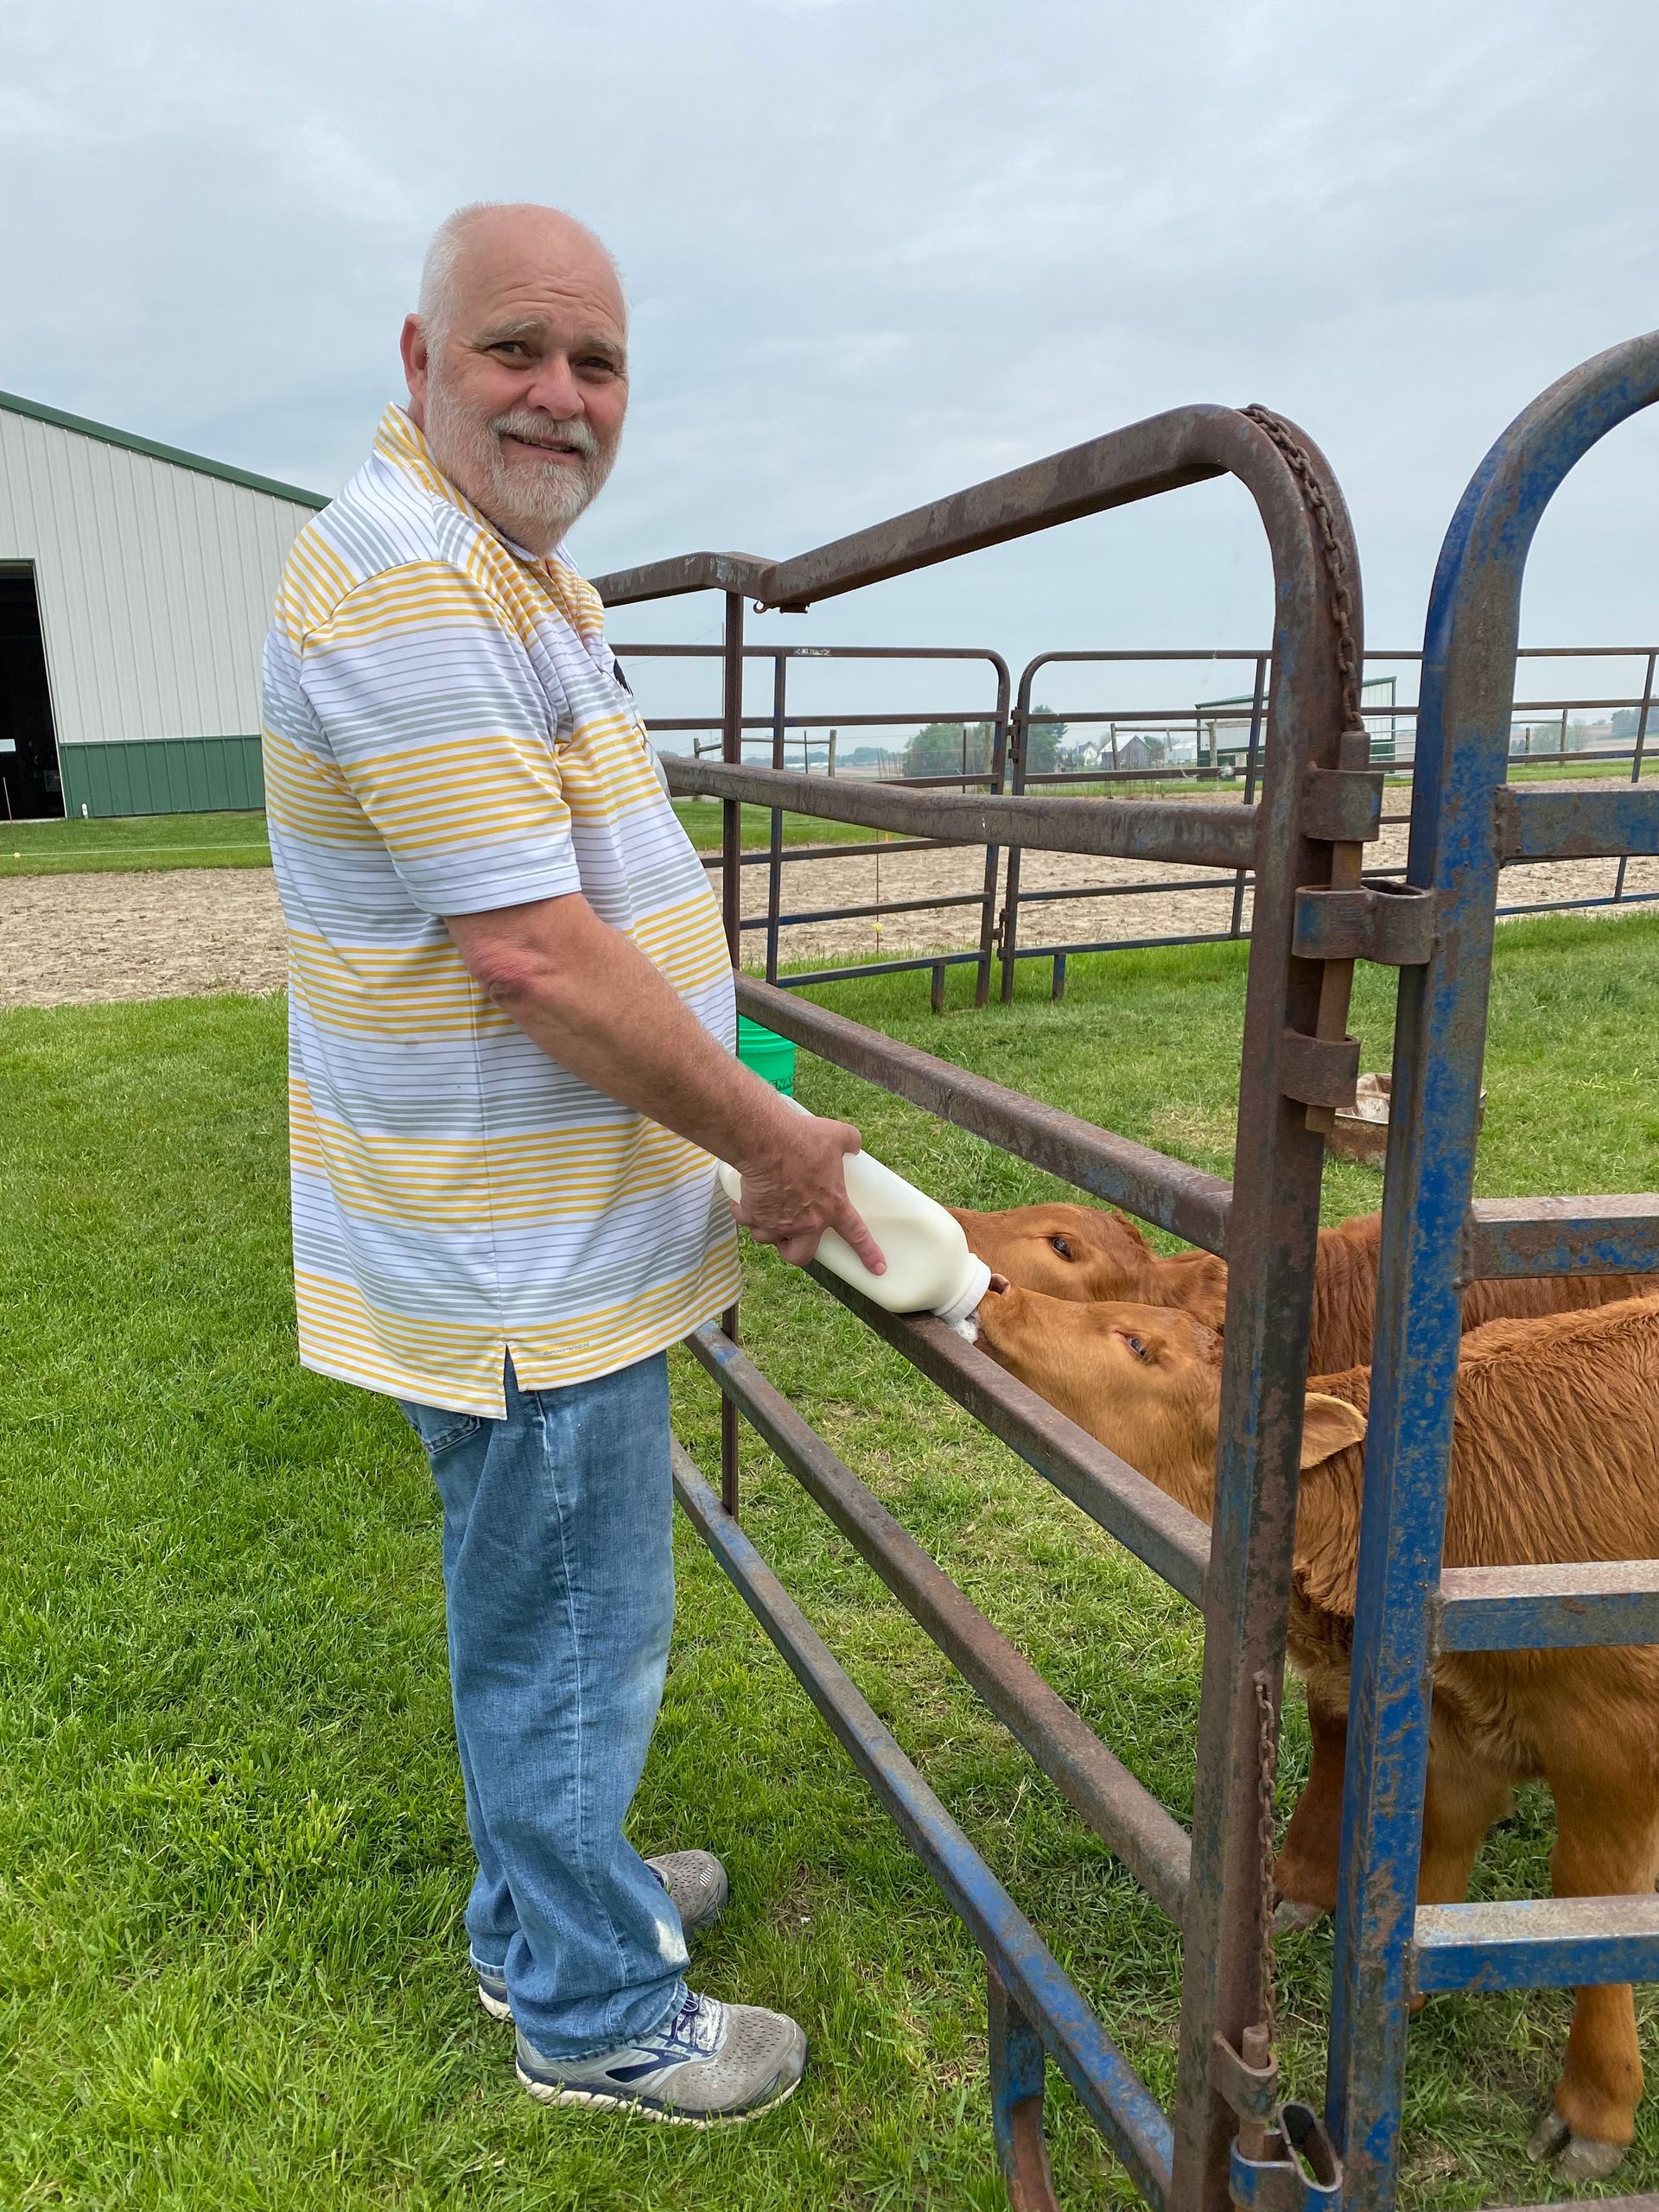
(1272, 1237)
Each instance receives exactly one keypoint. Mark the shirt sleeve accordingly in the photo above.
(434, 717)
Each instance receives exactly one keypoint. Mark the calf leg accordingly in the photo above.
(1306, 1876)
(1466, 1794)
(1607, 1844)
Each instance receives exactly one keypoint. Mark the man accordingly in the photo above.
(511, 1048)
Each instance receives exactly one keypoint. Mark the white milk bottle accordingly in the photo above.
(930, 1268)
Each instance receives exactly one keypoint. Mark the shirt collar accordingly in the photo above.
(402, 442)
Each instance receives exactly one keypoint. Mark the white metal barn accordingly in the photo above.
(136, 588)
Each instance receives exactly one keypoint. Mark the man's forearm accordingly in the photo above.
(594, 1003)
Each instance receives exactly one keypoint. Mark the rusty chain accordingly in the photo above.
(1267, 1775)
(1336, 567)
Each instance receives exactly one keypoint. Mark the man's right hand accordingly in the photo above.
(795, 1189)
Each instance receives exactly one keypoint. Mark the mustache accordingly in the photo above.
(525, 423)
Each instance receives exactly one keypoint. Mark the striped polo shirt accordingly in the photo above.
(445, 732)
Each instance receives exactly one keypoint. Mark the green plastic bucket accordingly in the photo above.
(772, 1056)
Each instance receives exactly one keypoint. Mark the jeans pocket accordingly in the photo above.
(438, 1427)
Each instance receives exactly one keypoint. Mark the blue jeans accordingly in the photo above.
(559, 1576)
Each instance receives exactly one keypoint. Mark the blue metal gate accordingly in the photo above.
(1466, 823)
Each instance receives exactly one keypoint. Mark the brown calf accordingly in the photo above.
(1086, 1252)
(1556, 1457)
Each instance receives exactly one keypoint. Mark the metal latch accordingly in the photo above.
(1283, 2160)
(1343, 806)
(1319, 1071)
(1392, 923)
(1297, 2171)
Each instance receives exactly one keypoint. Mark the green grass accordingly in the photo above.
(167, 840)
(231, 1853)
(149, 841)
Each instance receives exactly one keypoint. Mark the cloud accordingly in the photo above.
(879, 249)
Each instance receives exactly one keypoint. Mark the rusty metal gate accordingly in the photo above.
(1007, 906)
(1229, 2137)
(1435, 1236)
(1303, 836)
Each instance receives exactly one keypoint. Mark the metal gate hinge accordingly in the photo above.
(1300, 2172)
(1342, 806)
(1392, 923)
(1251, 2091)
(1319, 1071)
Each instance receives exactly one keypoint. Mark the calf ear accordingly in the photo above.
(1197, 1282)
(1329, 1425)
(1133, 1227)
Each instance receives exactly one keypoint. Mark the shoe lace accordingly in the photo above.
(696, 2024)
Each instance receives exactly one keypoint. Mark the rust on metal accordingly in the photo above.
(1193, 834)
(1186, 1200)
(1561, 1235)
(1122, 1811)
(1173, 1542)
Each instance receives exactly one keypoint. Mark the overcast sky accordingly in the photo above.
(878, 250)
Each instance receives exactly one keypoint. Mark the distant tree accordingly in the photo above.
(1043, 744)
(953, 749)
(948, 749)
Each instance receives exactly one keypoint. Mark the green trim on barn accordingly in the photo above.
(163, 775)
(134, 443)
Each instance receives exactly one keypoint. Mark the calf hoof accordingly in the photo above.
(1582, 2157)
(1551, 2134)
(1291, 1914)
(1586, 2159)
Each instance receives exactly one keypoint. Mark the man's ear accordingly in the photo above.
(413, 348)
(1329, 1426)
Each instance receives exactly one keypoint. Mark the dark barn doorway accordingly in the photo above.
(30, 784)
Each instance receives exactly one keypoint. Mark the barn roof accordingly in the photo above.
(13, 405)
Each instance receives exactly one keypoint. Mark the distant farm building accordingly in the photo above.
(136, 587)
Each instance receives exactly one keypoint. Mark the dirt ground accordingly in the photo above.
(76, 940)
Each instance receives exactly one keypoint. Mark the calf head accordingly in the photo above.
(1144, 1380)
(1066, 1251)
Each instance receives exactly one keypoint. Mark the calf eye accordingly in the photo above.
(1061, 1247)
(1137, 1345)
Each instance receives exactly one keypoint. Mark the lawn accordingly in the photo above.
(231, 1853)
(167, 840)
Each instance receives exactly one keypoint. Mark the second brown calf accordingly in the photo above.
(1071, 1251)
(1556, 1457)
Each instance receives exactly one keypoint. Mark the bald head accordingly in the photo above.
(479, 244)
(517, 361)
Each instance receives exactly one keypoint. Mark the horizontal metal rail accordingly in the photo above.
(1121, 1810)
(1536, 1943)
(1538, 1608)
(1165, 1537)
(1002, 940)
(757, 855)
(1152, 1185)
(913, 963)
(938, 903)
(1561, 1236)
(1115, 2098)
(1139, 462)
(1648, 2202)
(1597, 825)
(1197, 834)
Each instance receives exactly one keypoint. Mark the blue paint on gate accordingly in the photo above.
(1463, 824)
